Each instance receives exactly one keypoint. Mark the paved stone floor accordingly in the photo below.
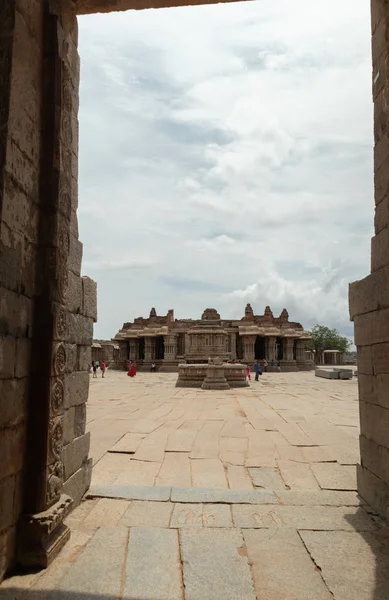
(239, 495)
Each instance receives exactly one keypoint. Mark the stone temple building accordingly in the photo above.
(168, 341)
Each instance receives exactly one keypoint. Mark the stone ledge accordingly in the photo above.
(373, 490)
(130, 492)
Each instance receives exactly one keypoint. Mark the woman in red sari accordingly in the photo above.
(132, 369)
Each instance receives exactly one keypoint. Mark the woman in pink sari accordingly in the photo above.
(248, 372)
(132, 369)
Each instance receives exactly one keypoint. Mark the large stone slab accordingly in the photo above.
(175, 470)
(332, 476)
(147, 514)
(302, 517)
(107, 511)
(298, 476)
(153, 565)
(223, 496)
(321, 498)
(130, 492)
(208, 472)
(326, 374)
(128, 444)
(282, 568)
(268, 478)
(215, 565)
(353, 566)
(187, 515)
(98, 570)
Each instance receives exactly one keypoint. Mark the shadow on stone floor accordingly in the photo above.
(54, 594)
(378, 542)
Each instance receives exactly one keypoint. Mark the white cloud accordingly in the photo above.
(225, 157)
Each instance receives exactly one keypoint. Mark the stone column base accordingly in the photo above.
(42, 536)
(215, 378)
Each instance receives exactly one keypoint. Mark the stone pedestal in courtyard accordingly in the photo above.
(215, 378)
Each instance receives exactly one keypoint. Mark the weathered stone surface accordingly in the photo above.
(147, 514)
(153, 565)
(239, 478)
(129, 492)
(7, 357)
(75, 454)
(106, 511)
(76, 388)
(322, 498)
(217, 515)
(351, 563)
(297, 476)
(215, 565)
(224, 496)
(79, 482)
(175, 470)
(375, 458)
(187, 515)
(13, 401)
(372, 328)
(266, 477)
(80, 329)
(89, 290)
(74, 294)
(325, 374)
(84, 358)
(98, 570)
(302, 517)
(369, 294)
(282, 568)
(7, 493)
(128, 444)
(75, 255)
(12, 450)
(373, 490)
(332, 476)
(375, 423)
(208, 472)
(22, 357)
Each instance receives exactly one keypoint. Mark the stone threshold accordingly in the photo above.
(182, 494)
(226, 496)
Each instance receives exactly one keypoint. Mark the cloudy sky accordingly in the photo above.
(226, 158)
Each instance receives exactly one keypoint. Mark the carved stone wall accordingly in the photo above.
(369, 298)
(20, 90)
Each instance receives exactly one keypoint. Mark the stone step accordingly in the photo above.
(183, 494)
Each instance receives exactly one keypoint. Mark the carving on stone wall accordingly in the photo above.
(61, 323)
(59, 359)
(54, 482)
(55, 439)
(57, 397)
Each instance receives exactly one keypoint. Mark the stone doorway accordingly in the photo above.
(260, 348)
(47, 321)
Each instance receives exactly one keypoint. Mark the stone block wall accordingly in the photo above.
(20, 117)
(47, 309)
(369, 298)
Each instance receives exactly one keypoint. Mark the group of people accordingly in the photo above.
(98, 365)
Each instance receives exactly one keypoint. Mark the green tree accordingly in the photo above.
(324, 338)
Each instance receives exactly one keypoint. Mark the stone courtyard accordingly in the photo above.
(238, 495)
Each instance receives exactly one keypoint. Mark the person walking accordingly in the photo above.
(103, 368)
(265, 365)
(248, 373)
(94, 369)
(257, 369)
(153, 368)
(132, 369)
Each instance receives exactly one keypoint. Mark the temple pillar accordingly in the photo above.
(233, 345)
(170, 347)
(271, 348)
(149, 349)
(187, 343)
(288, 349)
(300, 351)
(134, 349)
(249, 348)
